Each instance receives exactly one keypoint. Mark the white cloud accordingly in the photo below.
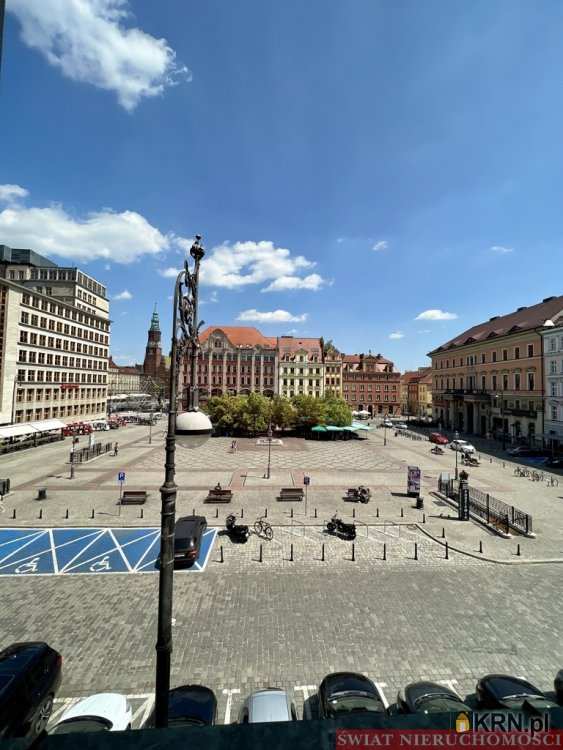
(240, 264)
(170, 272)
(502, 250)
(275, 316)
(313, 281)
(397, 335)
(381, 245)
(436, 315)
(88, 41)
(10, 193)
(121, 237)
(125, 294)
(107, 267)
(426, 330)
(213, 297)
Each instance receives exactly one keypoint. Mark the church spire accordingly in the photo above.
(155, 323)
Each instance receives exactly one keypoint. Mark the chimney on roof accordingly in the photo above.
(522, 308)
(548, 299)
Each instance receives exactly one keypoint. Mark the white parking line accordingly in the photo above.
(450, 684)
(143, 711)
(229, 694)
(19, 549)
(118, 546)
(94, 540)
(380, 686)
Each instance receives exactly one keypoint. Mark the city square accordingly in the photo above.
(286, 616)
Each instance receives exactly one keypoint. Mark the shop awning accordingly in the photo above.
(45, 425)
(16, 430)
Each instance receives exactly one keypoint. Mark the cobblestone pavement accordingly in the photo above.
(247, 628)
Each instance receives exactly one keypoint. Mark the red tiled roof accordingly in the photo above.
(355, 358)
(240, 336)
(523, 319)
(290, 344)
(126, 369)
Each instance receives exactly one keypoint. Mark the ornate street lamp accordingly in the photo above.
(456, 437)
(269, 447)
(189, 429)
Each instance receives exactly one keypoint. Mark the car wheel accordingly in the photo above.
(43, 715)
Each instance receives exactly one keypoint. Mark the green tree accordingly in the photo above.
(255, 413)
(283, 413)
(222, 411)
(310, 411)
(337, 412)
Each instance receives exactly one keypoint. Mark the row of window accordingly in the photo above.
(65, 312)
(316, 393)
(553, 367)
(56, 394)
(299, 371)
(360, 397)
(361, 387)
(58, 327)
(552, 342)
(49, 376)
(59, 411)
(556, 413)
(42, 358)
(505, 383)
(38, 339)
(296, 383)
(471, 359)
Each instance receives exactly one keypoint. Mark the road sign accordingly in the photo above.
(306, 480)
(121, 476)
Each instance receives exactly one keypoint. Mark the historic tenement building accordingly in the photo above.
(370, 383)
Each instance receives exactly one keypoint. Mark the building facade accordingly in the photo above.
(234, 360)
(301, 367)
(55, 332)
(370, 383)
(416, 392)
(489, 380)
(553, 383)
(155, 365)
(124, 380)
(332, 359)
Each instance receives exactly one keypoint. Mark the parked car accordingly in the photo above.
(401, 426)
(555, 462)
(271, 704)
(438, 438)
(558, 685)
(103, 712)
(511, 693)
(387, 423)
(30, 675)
(187, 539)
(462, 445)
(189, 705)
(525, 451)
(429, 698)
(347, 692)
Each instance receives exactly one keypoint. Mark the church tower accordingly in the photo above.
(153, 351)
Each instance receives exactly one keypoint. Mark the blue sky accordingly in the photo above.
(351, 165)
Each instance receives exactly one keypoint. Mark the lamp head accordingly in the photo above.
(193, 429)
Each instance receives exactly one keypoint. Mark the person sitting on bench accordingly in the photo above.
(218, 487)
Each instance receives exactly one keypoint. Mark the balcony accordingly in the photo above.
(470, 394)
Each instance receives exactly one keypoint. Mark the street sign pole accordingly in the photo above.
(121, 479)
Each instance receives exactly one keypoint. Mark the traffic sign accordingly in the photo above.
(121, 476)
(306, 480)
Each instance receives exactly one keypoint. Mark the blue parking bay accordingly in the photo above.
(87, 550)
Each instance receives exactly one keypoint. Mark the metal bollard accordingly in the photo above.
(14, 514)
(242, 512)
(503, 464)
(424, 518)
(222, 558)
(315, 512)
(518, 550)
(40, 516)
(353, 513)
(291, 553)
(92, 516)
(66, 514)
(447, 552)
(353, 552)
(416, 550)
(265, 512)
(291, 514)
(323, 553)
(443, 532)
(260, 558)
(216, 512)
(142, 513)
(402, 513)
(377, 512)
(481, 546)
(193, 511)
(385, 550)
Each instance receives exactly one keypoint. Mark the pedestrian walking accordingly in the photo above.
(116, 449)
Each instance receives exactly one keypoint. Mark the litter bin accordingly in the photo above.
(419, 502)
(42, 493)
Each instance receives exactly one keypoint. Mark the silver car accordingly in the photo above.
(271, 704)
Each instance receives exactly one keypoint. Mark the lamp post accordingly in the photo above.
(269, 447)
(385, 432)
(456, 437)
(191, 428)
(501, 396)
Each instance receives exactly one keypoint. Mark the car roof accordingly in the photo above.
(270, 704)
(107, 705)
(188, 522)
(18, 655)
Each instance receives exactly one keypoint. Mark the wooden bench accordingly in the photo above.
(134, 497)
(219, 496)
(291, 493)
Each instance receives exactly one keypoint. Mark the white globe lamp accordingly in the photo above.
(193, 429)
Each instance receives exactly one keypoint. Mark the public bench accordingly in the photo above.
(134, 497)
(291, 493)
(219, 496)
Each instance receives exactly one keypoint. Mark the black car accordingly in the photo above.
(347, 692)
(189, 705)
(429, 698)
(511, 693)
(30, 675)
(558, 685)
(187, 539)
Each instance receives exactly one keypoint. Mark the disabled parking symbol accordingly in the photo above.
(101, 565)
(28, 567)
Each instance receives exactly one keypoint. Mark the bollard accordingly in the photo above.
(222, 558)
(490, 460)
(385, 550)
(416, 550)
(315, 512)
(142, 513)
(353, 513)
(402, 513)
(503, 464)
(265, 512)
(518, 550)
(242, 512)
(291, 515)
(193, 511)
(40, 516)
(443, 532)
(377, 512)
(291, 553)
(66, 514)
(216, 512)
(92, 516)
(481, 546)
(424, 518)
(14, 514)
(353, 552)
(260, 558)
(447, 552)
(323, 553)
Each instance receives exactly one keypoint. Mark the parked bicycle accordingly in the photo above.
(519, 472)
(536, 476)
(263, 529)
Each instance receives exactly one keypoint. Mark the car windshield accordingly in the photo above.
(433, 696)
(83, 724)
(505, 687)
(354, 702)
